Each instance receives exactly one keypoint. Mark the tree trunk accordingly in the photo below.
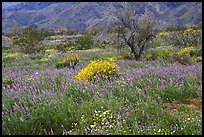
(137, 56)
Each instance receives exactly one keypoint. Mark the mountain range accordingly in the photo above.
(85, 15)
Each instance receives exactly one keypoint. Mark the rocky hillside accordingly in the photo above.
(85, 15)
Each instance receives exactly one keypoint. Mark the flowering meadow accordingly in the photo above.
(147, 97)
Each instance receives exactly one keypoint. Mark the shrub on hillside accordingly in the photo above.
(98, 69)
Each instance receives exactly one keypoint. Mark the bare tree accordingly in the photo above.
(134, 30)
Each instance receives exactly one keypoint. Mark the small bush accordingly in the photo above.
(126, 56)
(159, 54)
(65, 47)
(183, 59)
(69, 61)
(98, 69)
(85, 42)
(185, 51)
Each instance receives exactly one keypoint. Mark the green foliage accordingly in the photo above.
(85, 42)
(125, 56)
(62, 47)
(29, 40)
(196, 52)
(185, 38)
(153, 55)
(46, 33)
(69, 61)
(7, 80)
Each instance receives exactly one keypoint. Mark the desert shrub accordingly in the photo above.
(198, 59)
(196, 52)
(69, 61)
(67, 46)
(185, 51)
(84, 42)
(98, 69)
(29, 40)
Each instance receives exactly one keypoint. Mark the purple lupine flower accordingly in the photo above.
(22, 119)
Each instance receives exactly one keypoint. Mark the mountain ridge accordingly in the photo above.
(84, 15)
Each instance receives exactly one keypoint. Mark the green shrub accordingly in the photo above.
(7, 80)
(68, 46)
(198, 59)
(29, 40)
(69, 61)
(159, 54)
(84, 42)
(196, 52)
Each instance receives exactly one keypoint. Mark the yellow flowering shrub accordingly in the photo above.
(159, 54)
(183, 56)
(188, 31)
(149, 57)
(96, 69)
(185, 50)
(69, 61)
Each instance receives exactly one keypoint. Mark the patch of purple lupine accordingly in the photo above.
(43, 83)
